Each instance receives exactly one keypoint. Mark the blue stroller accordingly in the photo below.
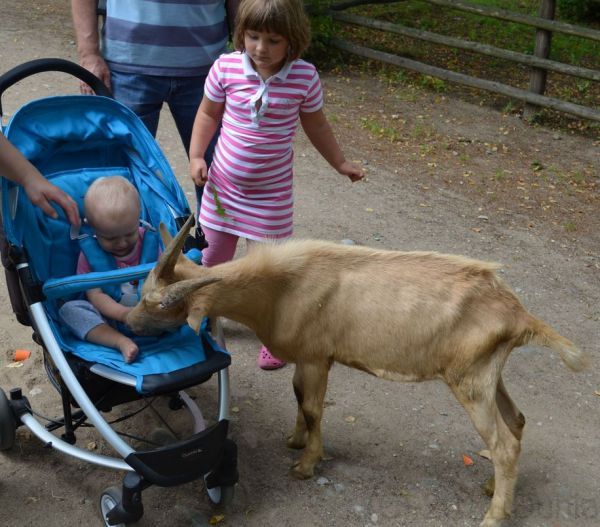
(73, 140)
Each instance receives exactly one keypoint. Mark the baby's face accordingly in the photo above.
(118, 239)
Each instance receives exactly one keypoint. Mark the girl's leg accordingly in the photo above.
(221, 247)
(265, 359)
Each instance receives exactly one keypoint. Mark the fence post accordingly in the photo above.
(543, 39)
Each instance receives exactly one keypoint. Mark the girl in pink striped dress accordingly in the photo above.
(258, 94)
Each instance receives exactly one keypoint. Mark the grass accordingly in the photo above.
(422, 15)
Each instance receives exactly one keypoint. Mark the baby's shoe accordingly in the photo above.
(266, 361)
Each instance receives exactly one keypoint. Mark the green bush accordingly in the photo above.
(579, 10)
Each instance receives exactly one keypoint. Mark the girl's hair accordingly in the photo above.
(284, 17)
(111, 197)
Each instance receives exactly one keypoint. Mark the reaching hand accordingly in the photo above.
(41, 193)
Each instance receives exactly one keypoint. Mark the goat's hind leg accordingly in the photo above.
(310, 385)
(484, 410)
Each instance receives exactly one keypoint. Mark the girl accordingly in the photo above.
(258, 94)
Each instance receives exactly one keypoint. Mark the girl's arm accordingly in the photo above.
(106, 305)
(14, 166)
(318, 130)
(206, 123)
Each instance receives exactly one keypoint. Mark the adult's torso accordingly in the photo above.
(165, 38)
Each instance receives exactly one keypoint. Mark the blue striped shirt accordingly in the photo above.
(175, 38)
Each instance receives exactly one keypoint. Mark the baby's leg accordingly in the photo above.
(86, 323)
(107, 336)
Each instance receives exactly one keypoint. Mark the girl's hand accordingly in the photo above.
(353, 171)
(198, 171)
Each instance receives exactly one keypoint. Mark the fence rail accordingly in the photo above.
(539, 62)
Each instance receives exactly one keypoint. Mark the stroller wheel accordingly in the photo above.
(109, 499)
(7, 423)
(220, 496)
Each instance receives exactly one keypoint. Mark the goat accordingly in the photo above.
(406, 316)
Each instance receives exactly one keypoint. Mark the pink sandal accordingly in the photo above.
(266, 361)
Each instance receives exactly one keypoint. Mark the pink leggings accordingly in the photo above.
(221, 247)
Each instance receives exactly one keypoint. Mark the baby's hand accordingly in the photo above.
(353, 171)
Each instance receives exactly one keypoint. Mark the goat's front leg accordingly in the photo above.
(310, 385)
(298, 438)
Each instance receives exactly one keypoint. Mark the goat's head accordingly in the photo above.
(164, 304)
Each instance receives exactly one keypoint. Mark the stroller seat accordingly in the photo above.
(73, 140)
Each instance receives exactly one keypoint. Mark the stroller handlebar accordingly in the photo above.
(32, 67)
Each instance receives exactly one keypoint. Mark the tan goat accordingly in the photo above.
(403, 316)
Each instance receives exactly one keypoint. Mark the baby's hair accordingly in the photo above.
(114, 196)
(284, 17)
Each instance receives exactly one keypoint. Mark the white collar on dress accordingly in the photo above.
(249, 71)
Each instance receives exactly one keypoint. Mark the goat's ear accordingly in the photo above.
(194, 320)
(168, 259)
(177, 292)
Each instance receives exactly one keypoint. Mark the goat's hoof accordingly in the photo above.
(489, 522)
(489, 487)
(299, 471)
(294, 442)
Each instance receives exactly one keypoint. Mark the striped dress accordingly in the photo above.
(249, 188)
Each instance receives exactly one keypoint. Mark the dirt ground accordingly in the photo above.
(442, 174)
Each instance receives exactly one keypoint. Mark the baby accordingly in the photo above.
(112, 210)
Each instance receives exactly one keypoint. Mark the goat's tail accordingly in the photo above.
(544, 335)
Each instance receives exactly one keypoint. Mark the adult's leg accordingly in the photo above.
(184, 99)
(143, 94)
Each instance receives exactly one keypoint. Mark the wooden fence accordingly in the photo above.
(539, 63)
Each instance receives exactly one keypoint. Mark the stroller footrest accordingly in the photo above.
(183, 461)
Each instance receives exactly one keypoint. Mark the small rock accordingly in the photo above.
(348, 241)
(322, 481)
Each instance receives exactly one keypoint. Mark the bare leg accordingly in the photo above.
(107, 336)
(310, 385)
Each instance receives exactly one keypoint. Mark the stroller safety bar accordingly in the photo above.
(60, 287)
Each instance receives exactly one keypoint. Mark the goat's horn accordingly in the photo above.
(175, 293)
(168, 259)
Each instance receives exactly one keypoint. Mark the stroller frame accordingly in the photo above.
(207, 453)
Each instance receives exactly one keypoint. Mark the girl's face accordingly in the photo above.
(267, 51)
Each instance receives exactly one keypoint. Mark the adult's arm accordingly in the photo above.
(14, 166)
(85, 23)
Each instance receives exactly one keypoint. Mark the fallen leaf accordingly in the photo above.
(14, 365)
(217, 518)
(467, 460)
(92, 445)
(597, 392)
(235, 409)
(485, 454)
(350, 419)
